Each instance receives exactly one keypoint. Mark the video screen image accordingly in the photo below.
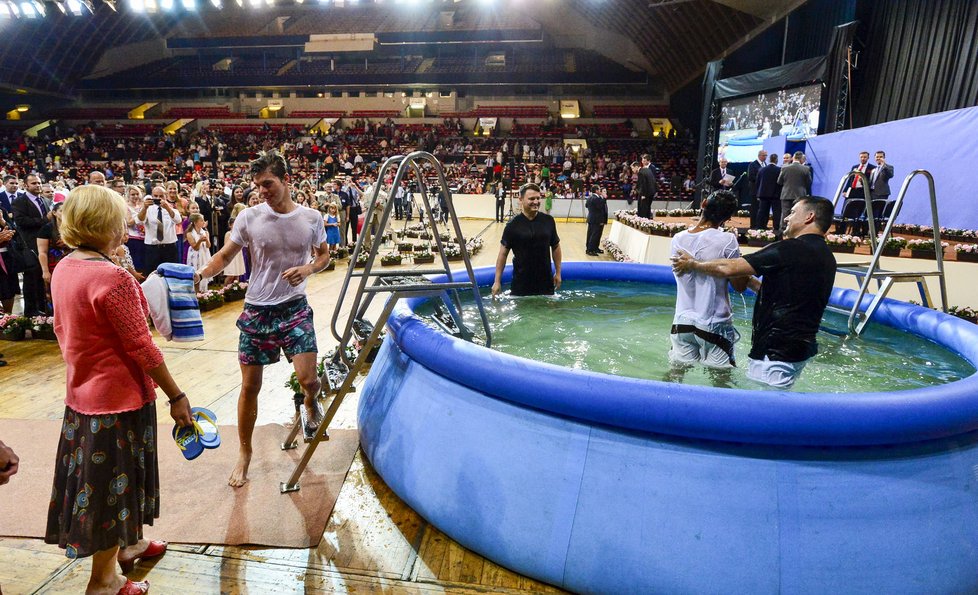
(746, 121)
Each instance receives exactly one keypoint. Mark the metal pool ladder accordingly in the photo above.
(359, 337)
(866, 273)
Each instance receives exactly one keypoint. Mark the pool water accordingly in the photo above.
(623, 328)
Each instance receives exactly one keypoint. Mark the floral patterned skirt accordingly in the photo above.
(106, 481)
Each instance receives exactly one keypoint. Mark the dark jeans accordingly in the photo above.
(354, 219)
(500, 210)
(593, 240)
(157, 254)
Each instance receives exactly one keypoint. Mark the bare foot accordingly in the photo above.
(239, 476)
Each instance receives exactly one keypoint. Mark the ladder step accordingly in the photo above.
(362, 329)
(403, 280)
(334, 377)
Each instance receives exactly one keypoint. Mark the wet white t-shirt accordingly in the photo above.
(700, 297)
(275, 243)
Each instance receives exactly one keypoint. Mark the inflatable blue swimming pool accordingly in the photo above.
(599, 483)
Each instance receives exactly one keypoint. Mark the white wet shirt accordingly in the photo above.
(700, 297)
(277, 242)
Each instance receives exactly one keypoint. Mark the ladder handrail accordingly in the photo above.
(888, 230)
(358, 308)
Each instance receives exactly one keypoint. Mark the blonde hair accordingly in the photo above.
(195, 217)
(92, 216)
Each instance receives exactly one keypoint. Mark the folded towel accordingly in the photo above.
(185, 318)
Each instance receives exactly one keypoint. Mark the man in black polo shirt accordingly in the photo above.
(532, 236)
(797, 275)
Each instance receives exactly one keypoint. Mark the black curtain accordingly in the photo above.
(921, 57)
(704, 164)
(837, 66)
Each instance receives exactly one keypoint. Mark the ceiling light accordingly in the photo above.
(189, 4)
(137, 6)
(27, 9)
(166, 4)
(75, 7)
(41, 8)
(111, 4)
(23, 108)
(217, 3)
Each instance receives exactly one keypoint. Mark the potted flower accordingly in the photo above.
(13, 328)
(339, 253)
(964, 312)
(361, 260)
(210, 300)
(390, 259)
(424, 256)
(842, 242)
(235, 291)
(42, 327)
(893, 245)
(966, 252)
(453, 252)
(760, 237)
(405, 247)
(474, 245)
(924, 248)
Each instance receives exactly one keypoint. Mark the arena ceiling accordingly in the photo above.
(670, 39)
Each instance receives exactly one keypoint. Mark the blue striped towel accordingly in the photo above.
(184, 311)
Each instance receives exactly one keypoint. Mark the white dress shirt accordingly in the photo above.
(169, 225)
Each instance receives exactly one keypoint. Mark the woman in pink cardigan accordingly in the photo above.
(106, 482)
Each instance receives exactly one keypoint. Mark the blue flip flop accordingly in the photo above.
(188, 440)
(210, 436)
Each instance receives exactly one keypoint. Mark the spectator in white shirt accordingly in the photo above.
(159, 219)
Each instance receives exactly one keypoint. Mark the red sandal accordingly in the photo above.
(153, 550)
(134, 588)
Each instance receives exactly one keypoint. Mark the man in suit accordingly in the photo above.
(597, 218)
(752, 179)
(7, 195)
(855, 189)
(718, 177)
(31, 213)
(795, 180)
(768, 195)
(645, 187)
(879, 179)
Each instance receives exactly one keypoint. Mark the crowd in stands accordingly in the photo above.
(134, 152)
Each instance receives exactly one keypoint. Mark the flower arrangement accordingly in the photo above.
(423, 256)
(405, 247)
(42, 327)
(13, 328)
(361, 260)
(843, 240)
(391, 259)
(758, 236)
(966, 252)
(473, 245)
(210, 299)
(892, 243)
(235, 291)
(615, 251)
(452, 252)
(922, 245)
(964, 312)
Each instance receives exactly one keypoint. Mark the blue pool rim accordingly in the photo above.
(730, 415)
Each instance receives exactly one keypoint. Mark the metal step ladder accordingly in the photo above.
(866, 273)
(359, 336)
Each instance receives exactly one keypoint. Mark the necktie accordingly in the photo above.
(855, 179)
(41, 207)
(159, 224)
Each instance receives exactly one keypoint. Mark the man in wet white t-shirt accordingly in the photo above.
(280, 235)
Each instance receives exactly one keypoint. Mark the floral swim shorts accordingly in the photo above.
(265, 330)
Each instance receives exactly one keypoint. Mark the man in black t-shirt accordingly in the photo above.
(532, 236)
(797, 275)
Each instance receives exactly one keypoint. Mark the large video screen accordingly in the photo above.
(746, 121)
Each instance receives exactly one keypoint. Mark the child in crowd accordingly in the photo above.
(332, 227)
(200, 244)
(236, 267)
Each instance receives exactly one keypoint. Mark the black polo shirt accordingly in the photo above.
(531, 241)
(797, 276)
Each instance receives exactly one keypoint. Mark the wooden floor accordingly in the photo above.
(373, 541)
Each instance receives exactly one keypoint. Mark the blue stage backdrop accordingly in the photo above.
(941, 143)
